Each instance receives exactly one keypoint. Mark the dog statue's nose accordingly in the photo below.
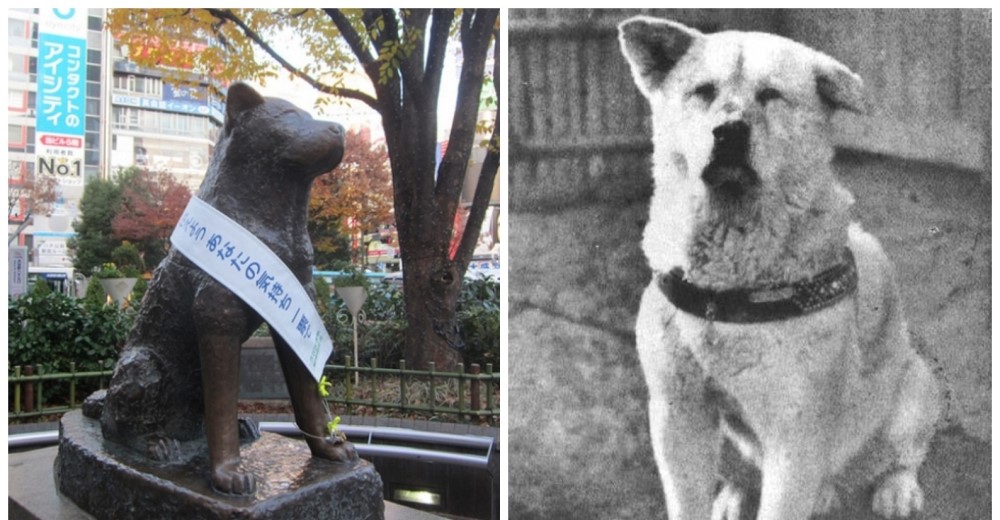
(732, 133)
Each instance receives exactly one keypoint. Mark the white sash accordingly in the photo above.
(247, 267)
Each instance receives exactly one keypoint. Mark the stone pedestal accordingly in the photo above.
(109, 481)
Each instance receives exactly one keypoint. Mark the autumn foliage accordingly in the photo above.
(403, 54)
(33, 195)
(152, 204)
(357, 195)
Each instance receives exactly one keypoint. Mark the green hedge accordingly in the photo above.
(53, 330)
(382, 337)
(479, 320)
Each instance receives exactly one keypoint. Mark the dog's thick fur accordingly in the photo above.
(816, 402)
(178, 376)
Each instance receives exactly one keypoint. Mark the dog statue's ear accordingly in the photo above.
(241, 97)
(840, 88)
(653, 46)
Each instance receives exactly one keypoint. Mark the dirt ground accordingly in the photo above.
(578, 437)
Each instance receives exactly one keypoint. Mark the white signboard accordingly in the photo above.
(247, 267)
(17, 275)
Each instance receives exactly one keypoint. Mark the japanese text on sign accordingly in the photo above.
(61, 87)
(246, 266)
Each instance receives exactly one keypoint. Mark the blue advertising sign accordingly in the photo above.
(61, 84)
(61, 109)
(176, 99)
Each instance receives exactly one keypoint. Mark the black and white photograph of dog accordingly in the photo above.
(750, 264)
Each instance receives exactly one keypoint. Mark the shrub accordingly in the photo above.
(40, 288)
(127, 257)
(95, 293)
(382, 329)
(382, 334)
(53, 330)
(351, 278)
(322, 294)
(479, 321)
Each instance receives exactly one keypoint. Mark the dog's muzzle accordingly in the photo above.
(729, 171)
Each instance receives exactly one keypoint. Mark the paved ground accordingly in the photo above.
(578, 441)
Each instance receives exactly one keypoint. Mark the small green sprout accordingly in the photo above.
(324, 387)
(331, 427)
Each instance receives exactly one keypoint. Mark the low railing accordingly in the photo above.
(27, 390)
(472, 394)
(462, 393)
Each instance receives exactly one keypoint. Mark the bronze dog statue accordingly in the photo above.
(177, 377)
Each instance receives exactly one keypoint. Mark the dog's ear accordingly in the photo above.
(240, 98)
(653, 46)
(838, 87)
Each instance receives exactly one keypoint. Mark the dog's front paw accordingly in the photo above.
(231, 480)
(335, 449)
(728, 503)
(249, 429)
(898, 495)
(163, 449)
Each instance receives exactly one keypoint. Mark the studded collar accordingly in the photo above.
(762, 304)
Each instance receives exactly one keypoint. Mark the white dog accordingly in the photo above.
(771, 321)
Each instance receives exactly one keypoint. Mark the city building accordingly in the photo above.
(54, 113)
(79, 109)
(159, 125)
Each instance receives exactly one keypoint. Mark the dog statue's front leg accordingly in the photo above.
(685, 439)
(221, 320)
(310, 415)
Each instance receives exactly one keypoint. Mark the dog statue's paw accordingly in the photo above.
(898, 495)
(231, 480)
(163, 449)
(728, 503)
(335, 449)
(827, 499)
(249, 429)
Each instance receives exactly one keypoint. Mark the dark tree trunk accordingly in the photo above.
(432, 333)
(426, 199)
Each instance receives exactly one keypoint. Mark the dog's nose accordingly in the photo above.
(732, 134)
(729, 168)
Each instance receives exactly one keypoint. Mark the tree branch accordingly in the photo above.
(475, 41)
(391, 26)
(436, 51)
(225, 14)
(480, 202)
(484, 187)
(387, 102)
(352, 38)
(411, 67)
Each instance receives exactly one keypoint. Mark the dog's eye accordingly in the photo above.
(767, 94)
(706, 91)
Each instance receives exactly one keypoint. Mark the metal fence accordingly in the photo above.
(472, 394)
